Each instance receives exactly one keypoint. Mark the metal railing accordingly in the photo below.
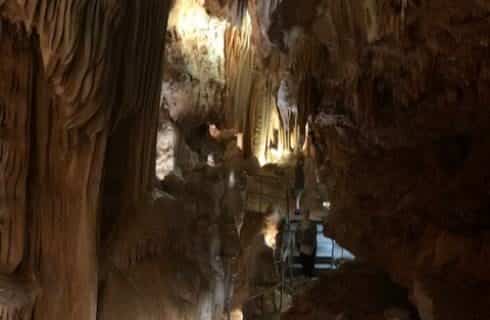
(282, 258)
(286, 257)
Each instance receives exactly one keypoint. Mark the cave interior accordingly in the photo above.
(158, 159)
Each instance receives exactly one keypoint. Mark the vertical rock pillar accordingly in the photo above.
(72, 73)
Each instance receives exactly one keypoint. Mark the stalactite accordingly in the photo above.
(251, 102)
(264, 110)
(308, 66)
(239, 71)
(239, 9)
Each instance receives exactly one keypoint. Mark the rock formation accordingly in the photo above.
(80, 79)
(124, 162)
(401, 131)
(355, 291)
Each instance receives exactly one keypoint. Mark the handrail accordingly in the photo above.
(264, 176)
(268, 196)
(285, 260)
(265, 195)
(286, 255)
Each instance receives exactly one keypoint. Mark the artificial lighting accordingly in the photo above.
(262, 160)
(271, 230)
(239, 140)
(270, 238)
(276, 153)
(231, 179)
(279, 154)
(326, 204)
(214, 131)
(211, 161)
(236, 314)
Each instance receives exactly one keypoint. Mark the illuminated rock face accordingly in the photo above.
(217, 73)
(193, 86)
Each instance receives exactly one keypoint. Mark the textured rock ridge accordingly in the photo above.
(72, 71)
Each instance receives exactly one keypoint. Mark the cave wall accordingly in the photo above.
(354, 291)
(72, 71)
(401, 137)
